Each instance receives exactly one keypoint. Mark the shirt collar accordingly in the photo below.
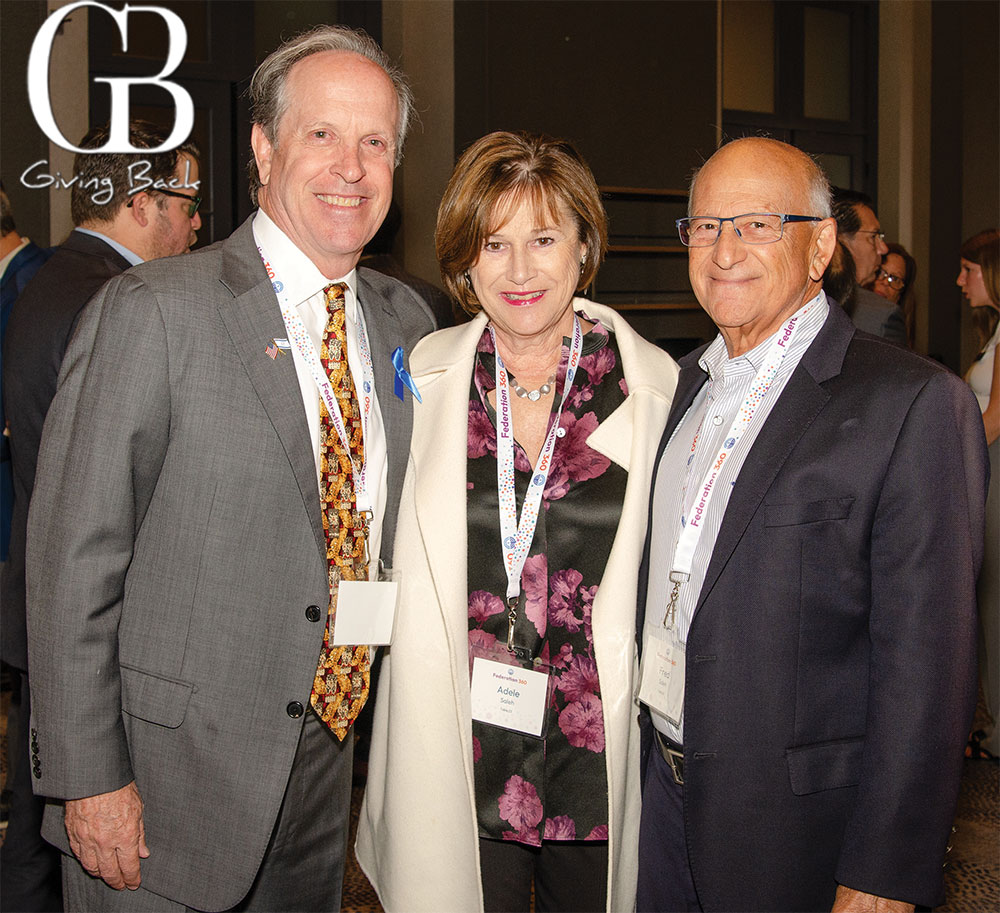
(5, 262)
(129, 255)
(715, 359)
(299, 274)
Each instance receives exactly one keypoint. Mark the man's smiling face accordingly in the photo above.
(327, 180)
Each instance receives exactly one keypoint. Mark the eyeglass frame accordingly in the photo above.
(193, 201)
(891, 278)
(876, 233)
(785, 217)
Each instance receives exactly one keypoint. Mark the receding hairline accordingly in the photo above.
(367, 63)
(808, 170)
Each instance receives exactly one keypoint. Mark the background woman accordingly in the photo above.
(894, 281)
(979, 279)
(462, 814)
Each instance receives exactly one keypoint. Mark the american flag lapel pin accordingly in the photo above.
(276, 347)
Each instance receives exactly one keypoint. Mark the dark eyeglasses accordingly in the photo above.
(750, 227)
(193, 201)
(891, 280)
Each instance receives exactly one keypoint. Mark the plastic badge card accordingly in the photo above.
(366, 612)
(661, 678)
(507, 695)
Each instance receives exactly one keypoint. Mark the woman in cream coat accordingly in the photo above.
(420, 834)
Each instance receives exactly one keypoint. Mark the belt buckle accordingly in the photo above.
(673, 757)
(675, 760)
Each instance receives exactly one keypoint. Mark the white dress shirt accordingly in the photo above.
(304, 283)
(680, 472)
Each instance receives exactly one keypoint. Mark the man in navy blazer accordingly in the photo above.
(20, 259)
(808, 588)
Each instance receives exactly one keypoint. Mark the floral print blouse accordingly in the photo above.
(554, 788)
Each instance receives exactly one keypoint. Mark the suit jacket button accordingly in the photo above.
(37, 770)
(294, 710)
(314, 613)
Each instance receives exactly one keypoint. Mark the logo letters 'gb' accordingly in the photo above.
(118, 139)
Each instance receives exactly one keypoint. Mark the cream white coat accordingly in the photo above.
(418, 836)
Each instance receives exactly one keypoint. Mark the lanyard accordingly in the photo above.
(515, 537)
(299, 336)
(691, 528)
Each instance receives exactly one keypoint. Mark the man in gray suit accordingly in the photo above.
(178, 564)
(858, 229)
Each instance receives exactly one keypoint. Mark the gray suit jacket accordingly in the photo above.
(175, 543)
(878, 316)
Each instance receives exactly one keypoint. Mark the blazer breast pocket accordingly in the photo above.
(803, 512)
(155, 699)
(826, 765)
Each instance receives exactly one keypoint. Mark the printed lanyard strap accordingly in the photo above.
(515, 537)
(299, 336)
(691, 529)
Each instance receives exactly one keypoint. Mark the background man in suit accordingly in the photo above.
(114, 230)
(858, 229)
(815, 533)
(20, 259)
(179, 570)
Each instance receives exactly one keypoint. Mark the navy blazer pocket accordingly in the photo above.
(827, 765)
(807, 512)
(155, 699)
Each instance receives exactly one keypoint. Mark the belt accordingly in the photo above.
(673, 754)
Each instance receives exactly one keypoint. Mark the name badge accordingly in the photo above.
(366, 612)
(661, 678)
(509, 696)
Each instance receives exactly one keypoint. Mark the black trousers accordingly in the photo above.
(29, 867)
(570, 876)
(665, 881)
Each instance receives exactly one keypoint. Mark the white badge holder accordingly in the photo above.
(366, 610)
(509, 692)
(661, 673)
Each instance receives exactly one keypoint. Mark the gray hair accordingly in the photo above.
(269, 102)
(818, 190)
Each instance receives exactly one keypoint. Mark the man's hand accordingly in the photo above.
(850, 901)
(107, 836)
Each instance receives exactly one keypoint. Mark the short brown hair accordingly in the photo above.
(505, 168)
(97, 170)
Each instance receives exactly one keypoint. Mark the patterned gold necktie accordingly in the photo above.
(340, 688)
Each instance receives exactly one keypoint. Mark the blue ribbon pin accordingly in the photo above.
(403, 376)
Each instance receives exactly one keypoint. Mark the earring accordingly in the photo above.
(468, 279)
(583, 264)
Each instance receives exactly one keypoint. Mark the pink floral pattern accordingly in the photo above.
(583, 723)
(532, 790)
(562, 827)
(483, 604)
(519, 805)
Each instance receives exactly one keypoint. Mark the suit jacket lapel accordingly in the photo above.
(252, 319)
(384, 334)
(793, 413)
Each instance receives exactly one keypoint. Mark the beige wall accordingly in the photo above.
(68, 88)
(904, 137)
(420, 35)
